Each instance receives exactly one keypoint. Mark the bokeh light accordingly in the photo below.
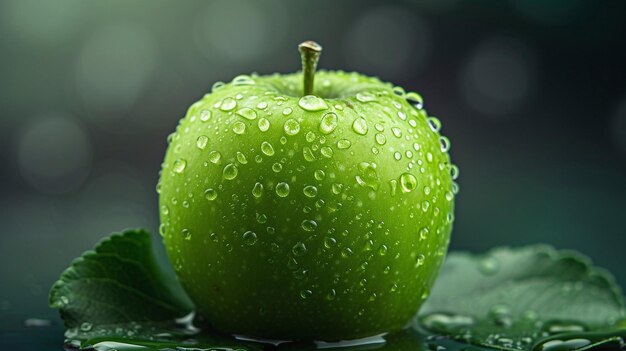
(54, 154)
(498, 76)
(368, 46)
(112, 69)
(239, 30)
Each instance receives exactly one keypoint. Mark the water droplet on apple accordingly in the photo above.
(277, 167)
(179, 165)
(359, 126)
(241, 158)
(282, 189)
(239, 128)
(344, 144)
(250, 238)
(454, 172)
(215, 157)
(305, 294)
(419, 260)
(210, 194)
(415, 99)
(393, 184)
(445, 143)
(310, 191)
(408, 182)
(328, 123)
(257, 190)
(319, 174)
(186, 234)
(230, 171)
(299, 249)
(397, 156)
(423, 233)
(310, 137)
(228, 104)
(243, 80)
(308, 225)
(267, 148)
(308, 154)
(247, 113)
(312, 103)
(287, 111)
(205, 115)
(397, 132)
(434, 124)
(326, 151)
(365, 97)
(291, 127)
(201, 142)
(329, 242)
(380, 139)
(261, 105)
(368, 175)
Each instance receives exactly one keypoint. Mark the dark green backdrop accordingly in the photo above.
(531, 93)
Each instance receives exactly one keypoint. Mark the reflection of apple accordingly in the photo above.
(316, 215)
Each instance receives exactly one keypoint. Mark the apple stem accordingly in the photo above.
(310, 53)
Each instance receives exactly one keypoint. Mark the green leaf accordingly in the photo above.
(118, 282)
(511, 298)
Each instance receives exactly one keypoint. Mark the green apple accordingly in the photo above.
(294, 211)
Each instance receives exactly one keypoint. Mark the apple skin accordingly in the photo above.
(354, 247)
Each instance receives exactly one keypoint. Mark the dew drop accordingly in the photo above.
(247, 113)
(228, 104)
(291, 127)
(230, 171)
(326, 151)
(308, 154)
(215, 157)
(445, 144)
(186, 234)
(434, 124)
(344, 144)
(368, 175)
(299, 249)
(282, 189)
(380, 139)
(312, 103)
(264, 124)
(205, 115)
(239, 128)
(308, 225)
(359, 126)
(408, 182)
(415, 99)
(305, 294)
(365, 96)
(250, 238)
(257, 190)
(267, 148)
(243, 80)
(241, 158)
(179, 165)
(328, 123)
(210, 194)
(319, 174)
(201, 142)
(310, 191)
(419, 260)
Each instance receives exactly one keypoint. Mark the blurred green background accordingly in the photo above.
(531, 93)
